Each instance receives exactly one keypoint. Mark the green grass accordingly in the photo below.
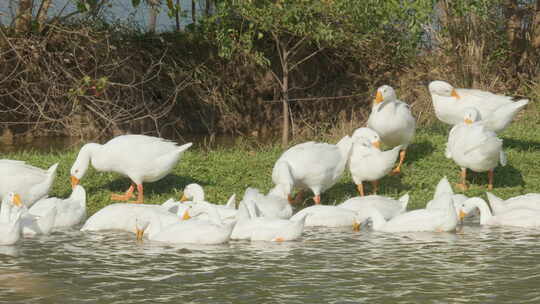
(223, 171)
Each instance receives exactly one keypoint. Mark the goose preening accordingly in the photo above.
(70, 211)
(393, 121)
(472, 146)
(495, 111)
(367, 162)
(311, 165)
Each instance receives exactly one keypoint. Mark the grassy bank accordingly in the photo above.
(223, 171)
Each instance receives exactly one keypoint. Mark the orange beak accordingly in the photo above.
(186, 216)
(378, 97)
(468, 121)
(376, 144)
(139, 234)
(462, 214)
(455, 94)
(184, 198)
(17, 200)
(356, 226)
(74, 181)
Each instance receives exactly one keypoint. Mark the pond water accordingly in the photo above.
(478, 265)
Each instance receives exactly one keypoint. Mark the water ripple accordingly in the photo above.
(478, 265)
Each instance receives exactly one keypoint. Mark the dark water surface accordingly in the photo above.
(481, 265)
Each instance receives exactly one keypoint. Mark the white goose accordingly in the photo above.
(192, 231)
(474, 147)
(520, 217)
(33, 224)
(329, 216)
(194, 193)
(434, 220)
(317, 166)
(496, 111)
(10, 219)
(388, 207)
(444, 187)
(122, 216)
(30, 182)
(250, 225)
(69, 212)
(141, 158)
(528, 201)
(393, 121)
(367, 162)
(272, 205)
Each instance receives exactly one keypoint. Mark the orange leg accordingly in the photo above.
(123, 197)
(375, 185)
(140, 195)
(397, 170)
(360, 188)
(490, 179)
(463, 176)
(317, 199)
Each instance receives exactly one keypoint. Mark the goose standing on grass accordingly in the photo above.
(495, 111)
(69, 212)
(30, 182)
(435, 220)
(528, 201)
(10, 219)
(311, 165)
(367, 161)
(141, 158)
(393, 121)
(520, 217)
(472, 146)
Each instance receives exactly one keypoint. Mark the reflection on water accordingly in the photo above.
(482, 265)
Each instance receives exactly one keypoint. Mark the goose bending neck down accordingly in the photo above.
(139, 157)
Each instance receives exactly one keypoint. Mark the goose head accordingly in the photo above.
(80, 166)
(193, 192)
(470, 115)
(385, 93)
(443, 88)
(368, 135)
(469, 205)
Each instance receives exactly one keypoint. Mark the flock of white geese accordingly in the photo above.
(473, 144)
